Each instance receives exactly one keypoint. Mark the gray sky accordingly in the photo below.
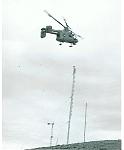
(37, 73)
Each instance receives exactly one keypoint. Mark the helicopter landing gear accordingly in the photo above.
(60, 43)
(71, 45)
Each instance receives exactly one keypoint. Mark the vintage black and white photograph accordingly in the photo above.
(61, 74)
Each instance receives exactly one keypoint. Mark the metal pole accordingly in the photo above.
(71, 104)
(51, 136)
(57, 141)
(85, 122)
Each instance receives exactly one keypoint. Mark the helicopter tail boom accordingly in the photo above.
(48, 29)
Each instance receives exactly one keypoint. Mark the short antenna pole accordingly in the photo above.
(85, 122)
(51, 136)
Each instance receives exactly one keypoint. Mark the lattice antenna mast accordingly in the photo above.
(71, 104)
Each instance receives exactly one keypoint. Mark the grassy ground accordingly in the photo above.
(93, 145)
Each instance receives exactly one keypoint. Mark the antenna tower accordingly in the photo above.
(85, 121)
(51, 137)
(71, 104)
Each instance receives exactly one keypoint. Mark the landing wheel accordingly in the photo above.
(60, 43)
(71, 45)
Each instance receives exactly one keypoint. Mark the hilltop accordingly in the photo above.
(93, 145)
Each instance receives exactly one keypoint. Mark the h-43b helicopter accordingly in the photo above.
(65, 35)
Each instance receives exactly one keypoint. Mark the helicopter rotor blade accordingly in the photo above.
(53, 18)
(77, 35)
(71, 30)
(82, 37)
(66, 23)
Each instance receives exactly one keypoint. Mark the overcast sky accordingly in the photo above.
(37, 73)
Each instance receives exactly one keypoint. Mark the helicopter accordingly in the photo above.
(65, 35)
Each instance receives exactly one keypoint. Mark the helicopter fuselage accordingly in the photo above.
(64, 35)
